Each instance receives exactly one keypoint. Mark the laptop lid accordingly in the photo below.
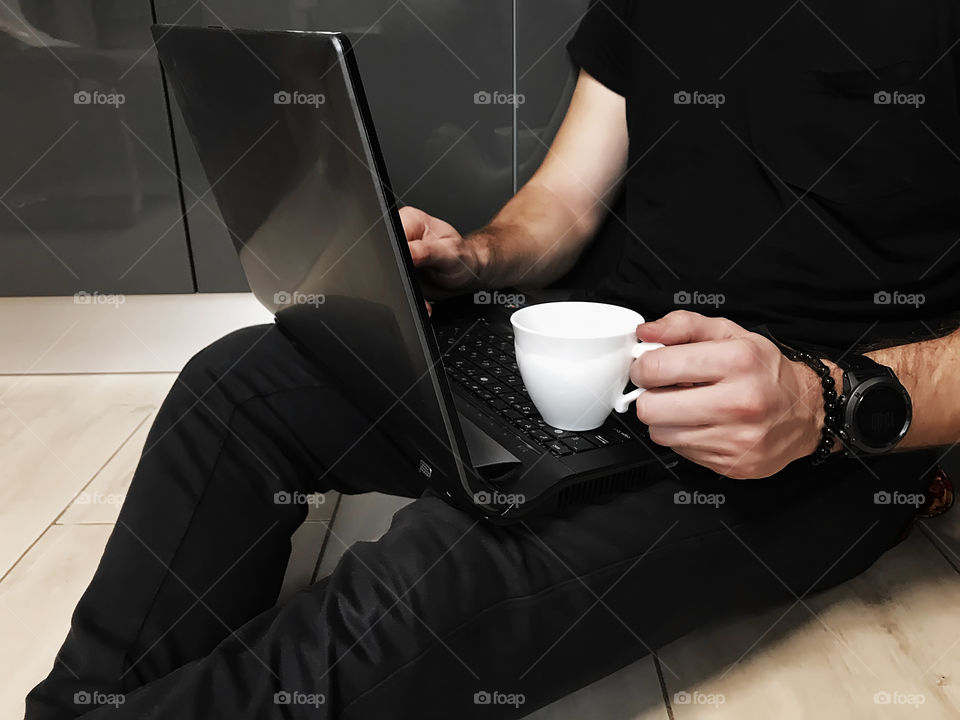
(284, 134)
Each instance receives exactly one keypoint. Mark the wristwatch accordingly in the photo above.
(874, 410)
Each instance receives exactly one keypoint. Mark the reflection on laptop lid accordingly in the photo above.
(281, 127)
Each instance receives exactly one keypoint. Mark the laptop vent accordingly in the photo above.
(586, 490)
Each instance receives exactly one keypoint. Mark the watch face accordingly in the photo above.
(880, 416)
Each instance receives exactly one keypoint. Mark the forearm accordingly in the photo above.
(930, 371)
(533, 241)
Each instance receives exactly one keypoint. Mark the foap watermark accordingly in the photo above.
(895, 297)
(695, 297)
(699, 698)
(685, 497)
(495, 697)
(286, 697)
(895, 97)
(914, 500)
(695, 97)
(298, 498)
(98, 699)
(99, 97)
(897, 697)
(486, 97)
(285, 299)
(97, 298)
(495, 497)
(486, 297)
(295, 97)
(99, 498)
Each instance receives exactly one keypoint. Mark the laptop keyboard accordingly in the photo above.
(481, 360)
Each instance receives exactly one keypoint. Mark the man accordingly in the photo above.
(757, 167)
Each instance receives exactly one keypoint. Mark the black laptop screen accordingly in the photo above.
(275, 122)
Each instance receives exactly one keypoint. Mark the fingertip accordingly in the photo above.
(649, 331)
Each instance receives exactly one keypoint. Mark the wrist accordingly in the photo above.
(813, 406)
(479, 249)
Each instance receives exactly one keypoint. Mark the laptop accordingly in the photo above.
(285, 136)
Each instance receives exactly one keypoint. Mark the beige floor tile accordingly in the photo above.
(629, 694)
(306, 545)
(886, 645)
(359, 518)
(138, 333)
(36, 601)
(100, 501)
(56, 433)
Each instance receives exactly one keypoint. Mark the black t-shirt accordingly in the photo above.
(796, 168)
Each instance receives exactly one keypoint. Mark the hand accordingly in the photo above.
(726, 398)
(447, 260)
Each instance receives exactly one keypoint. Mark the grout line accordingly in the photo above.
(191, 260)
(663, 688)
(516, 89)
(24, 554)
(326, 538)
(56, 520)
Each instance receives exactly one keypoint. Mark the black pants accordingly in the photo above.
(180, 617)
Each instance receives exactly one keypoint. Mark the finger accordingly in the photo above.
(693, 363)
(683, 326)
(702, 405)
(429, 308)
(414, 222)
(683, 437)
(429, 253)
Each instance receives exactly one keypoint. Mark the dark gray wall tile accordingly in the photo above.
(546, 79)
(423, 65)
(545, 76)
(89, 193)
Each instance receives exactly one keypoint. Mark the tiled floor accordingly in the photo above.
(70, 444)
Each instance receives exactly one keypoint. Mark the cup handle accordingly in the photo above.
(623, 401)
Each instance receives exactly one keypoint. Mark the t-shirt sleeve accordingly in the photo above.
(600, 42)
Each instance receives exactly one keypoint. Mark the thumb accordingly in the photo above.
(683, 326)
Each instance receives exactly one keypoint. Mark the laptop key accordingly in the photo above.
(609, 436)
(622, 434)
(540, 436)
(599, 438)
(558, 448)
(578, 444)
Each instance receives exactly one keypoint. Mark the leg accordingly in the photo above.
(444, 607)
(200, 546)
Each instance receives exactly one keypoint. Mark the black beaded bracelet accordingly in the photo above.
(832, 403)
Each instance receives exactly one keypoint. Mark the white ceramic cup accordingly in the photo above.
(575, 360)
